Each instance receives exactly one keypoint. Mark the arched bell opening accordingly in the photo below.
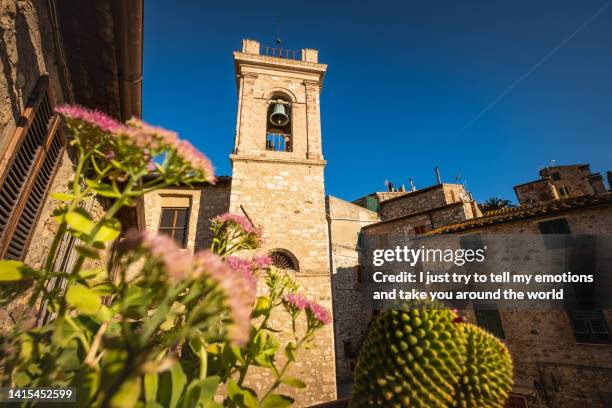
(279, 124)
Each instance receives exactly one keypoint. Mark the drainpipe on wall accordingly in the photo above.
(128, 21)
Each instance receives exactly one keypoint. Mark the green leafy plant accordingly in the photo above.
(423, 357)
(155, 326)
(495, 203)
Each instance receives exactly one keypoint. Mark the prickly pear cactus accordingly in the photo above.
(487, 378)
(410, 358)
(428, 358)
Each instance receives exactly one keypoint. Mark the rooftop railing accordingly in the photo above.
(282, 53)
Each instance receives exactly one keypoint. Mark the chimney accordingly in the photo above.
(438, 175)
(596, 180)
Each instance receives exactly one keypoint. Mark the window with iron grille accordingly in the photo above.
(32, 158)
(174, 223)
(283, 259)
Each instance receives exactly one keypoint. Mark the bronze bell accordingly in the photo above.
(279, 115)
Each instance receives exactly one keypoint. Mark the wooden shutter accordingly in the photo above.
(29, 166)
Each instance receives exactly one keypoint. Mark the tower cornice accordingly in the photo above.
(268, 159)
(245, 62)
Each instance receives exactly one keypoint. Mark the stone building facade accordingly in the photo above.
(47, 58)
(561, 358)
(278, 182)
(422, 210)
(346, 221)
(561, 182)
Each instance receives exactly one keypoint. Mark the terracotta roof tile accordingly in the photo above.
(524, 211)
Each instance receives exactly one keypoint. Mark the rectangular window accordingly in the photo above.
(279, 142)
(174, 223)
(372, 204)
(563, 191)
(606, 399)
(32, 156)
(348, 350)
(556, 233)
(421, 229)
(556, 176)
(471, 241)
(516, 401)
(487, 317)
(589, 326)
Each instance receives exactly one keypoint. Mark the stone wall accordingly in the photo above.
(282, 192)
(173, 197)
(422, 200)
(380, 197)
(350, 319)
(437, 217)
(214, 200)
(316, 367)
(288, 202)
(28, 51)
(542, 342)
(204, 203)
(574, 178)
(536, 192)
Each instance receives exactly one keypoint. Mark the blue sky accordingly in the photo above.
(405, 85)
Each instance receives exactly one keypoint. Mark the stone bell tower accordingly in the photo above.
(277, 181)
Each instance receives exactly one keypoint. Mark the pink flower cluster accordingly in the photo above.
(238, 220)
(197, 160)
(262, 261)
(239, 292)
(144, 136)
(238, 287)
(244, 267)
(298, 302)
(166, 136)
(93, 117)
(320, 313)
(176, 261)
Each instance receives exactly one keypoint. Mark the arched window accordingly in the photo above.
(278, 124)
(283, 259)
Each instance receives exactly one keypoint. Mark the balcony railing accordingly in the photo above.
(282, 53)
(279, 142)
